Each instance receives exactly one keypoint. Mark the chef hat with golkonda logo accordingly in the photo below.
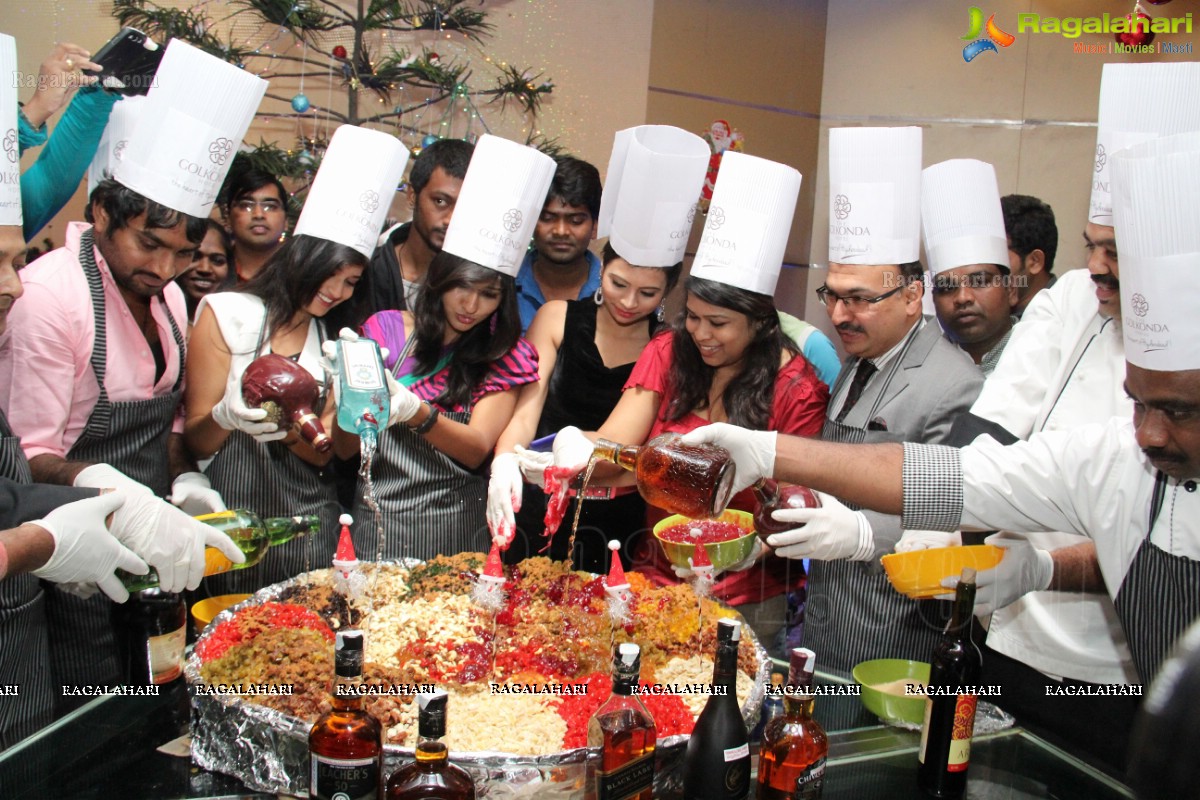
(874, 195)
(10, 158)
(115, 139)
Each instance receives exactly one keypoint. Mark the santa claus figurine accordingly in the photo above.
(347, 577)
(703, 575)
(488, 591)
(616, 586)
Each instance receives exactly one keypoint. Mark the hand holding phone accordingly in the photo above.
(128, 62)
(59, 75)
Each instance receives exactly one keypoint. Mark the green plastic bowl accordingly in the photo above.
(722, 554)
(890, 706)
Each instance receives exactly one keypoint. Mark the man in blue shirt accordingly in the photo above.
(560, 266)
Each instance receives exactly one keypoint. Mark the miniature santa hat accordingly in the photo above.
(499, 204)
(1139, 102)
(616, 573)
(354, 187)
(874, 195)
(115, 139)
(345, 547)
(1156, 191)
(10, 159)
(961, 216)
(748, 223)
(195, 116)
(700, 556)
(493, 568)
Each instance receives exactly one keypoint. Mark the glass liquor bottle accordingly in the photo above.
(289, 393)
(772, 706)
(955, 666)
(791, 762)
(694, 480)
(625, 733)
(363, 399)
(431, 776)
(251, 534)
(345, 744)
(151, 631)
(771, 497)
(716, 765)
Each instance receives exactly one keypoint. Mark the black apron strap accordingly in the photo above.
(1156, 499)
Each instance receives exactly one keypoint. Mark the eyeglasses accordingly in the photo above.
(853, 303)
(267, 206)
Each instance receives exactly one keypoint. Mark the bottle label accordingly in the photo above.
(734, 753)
(811, 781)
(964, 727)
(165, 655)
(627, 780)
(344, 778)
(360, 365)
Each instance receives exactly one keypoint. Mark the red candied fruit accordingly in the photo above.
(706, 531)
(249, 622)
(671, 715)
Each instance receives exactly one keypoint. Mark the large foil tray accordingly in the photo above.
(268, 750)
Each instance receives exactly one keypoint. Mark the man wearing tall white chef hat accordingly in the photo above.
(91, 374)
(1129, 484)
(1064, 367)
(902, 381)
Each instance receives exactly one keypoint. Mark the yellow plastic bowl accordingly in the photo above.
(203, 611)
(722, 554)
(919, 573)
(889, 703)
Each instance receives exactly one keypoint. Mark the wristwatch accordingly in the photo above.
(430, 421)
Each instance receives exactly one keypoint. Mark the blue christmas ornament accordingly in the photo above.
(300, 103)
(428, 140)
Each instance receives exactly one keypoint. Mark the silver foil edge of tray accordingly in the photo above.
(268, 749)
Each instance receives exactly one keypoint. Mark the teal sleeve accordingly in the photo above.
(27, 135)
(49, 183)
(821, 353)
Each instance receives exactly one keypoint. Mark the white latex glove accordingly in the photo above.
(403, 404)
(103, 476)
(232, 414)
(926, 540)
(572, 450)
(533, 465)
(193, 493)
(1023, 569)
(169, 540)
(753, 451)
(504, 498)
(84, 550)
(829, 533)
(756, 552)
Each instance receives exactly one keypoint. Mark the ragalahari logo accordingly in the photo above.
(994, 37)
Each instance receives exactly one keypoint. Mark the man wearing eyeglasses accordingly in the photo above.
(902, 381)
(256, 211)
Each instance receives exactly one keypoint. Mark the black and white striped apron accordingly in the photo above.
(270, 480)
(1159, 597)
(24, 647)
(429, 503)
(132, 437)
(852, 613)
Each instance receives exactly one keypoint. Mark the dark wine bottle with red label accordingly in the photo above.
(717, 763)
(289, 393)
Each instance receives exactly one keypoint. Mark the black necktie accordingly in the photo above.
(865, 370)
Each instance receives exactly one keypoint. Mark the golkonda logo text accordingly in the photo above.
(10, 145)
(841, 206)
(1101, 158)
(369, 201)
(716, 218)
(219, 150)
(1140, 305)
(512, 220)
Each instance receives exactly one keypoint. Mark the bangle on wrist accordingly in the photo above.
(429, 422)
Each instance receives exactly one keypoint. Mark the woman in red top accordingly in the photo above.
(725, 359)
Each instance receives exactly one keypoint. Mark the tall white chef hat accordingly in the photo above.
(115, 139)
(10, 159)
(354, 187)
(189, 128)
(655, 175)
(1155, 193)
(961, 215)
(499, 203)
(1139, 102)
(874, 195)
(748, 223)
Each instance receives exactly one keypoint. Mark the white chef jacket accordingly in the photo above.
(1064, 366)
(1094, 481)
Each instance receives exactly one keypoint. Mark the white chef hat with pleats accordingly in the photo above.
(655, 175)
(749, 219)
(10, 158)
(192, 123)
(499, 204)
(1155, 194)
(961, 215)
(115, 139)
(874, 195)
(1139, 102)
(354, 187)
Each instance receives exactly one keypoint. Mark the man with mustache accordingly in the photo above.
(902, 381)
(560, 266)
(1129, 484)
